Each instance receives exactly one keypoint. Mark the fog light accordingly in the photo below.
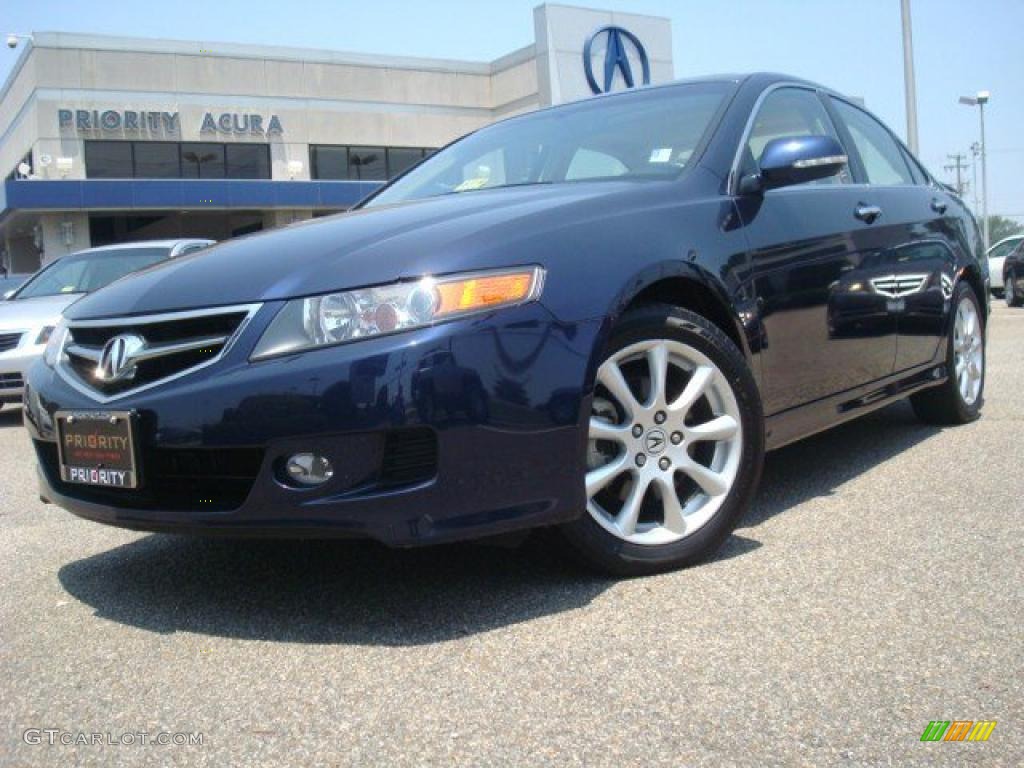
(309, 469)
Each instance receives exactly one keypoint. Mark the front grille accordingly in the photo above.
(164, 346)
(410, 456)
(9, 341)
(11, 381)
(199, 479)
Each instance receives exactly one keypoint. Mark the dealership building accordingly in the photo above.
(112, 139)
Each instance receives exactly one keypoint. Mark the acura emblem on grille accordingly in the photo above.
(117, 360)
(655, 441)
(110, 358)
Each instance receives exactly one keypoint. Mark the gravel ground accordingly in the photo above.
(875, 586)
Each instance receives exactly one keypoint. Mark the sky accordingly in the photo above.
(853, 46)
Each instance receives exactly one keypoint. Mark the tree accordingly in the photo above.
(1000, 227)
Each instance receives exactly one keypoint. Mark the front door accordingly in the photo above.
(814, 250)
(915, 272)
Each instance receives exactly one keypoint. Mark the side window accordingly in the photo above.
(916, 171)
(881, 155)
(789, 112)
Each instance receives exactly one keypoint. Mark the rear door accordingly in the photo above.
(915, 261)
(812, 259)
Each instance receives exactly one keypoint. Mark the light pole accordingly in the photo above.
(980, 101)
(910, 89)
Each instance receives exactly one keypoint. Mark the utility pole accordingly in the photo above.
(975, 152)
(957, 165)
(910, 90)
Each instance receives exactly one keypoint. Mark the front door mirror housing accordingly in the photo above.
(795, 160)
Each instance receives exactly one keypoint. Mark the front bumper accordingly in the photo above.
(13, 367)
(470, 428)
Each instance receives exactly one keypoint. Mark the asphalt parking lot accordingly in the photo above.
(876, 585)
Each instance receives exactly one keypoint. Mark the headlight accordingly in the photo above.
(54, 342)
(336, 318)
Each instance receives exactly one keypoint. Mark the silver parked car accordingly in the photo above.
(29, 315)
(996, 257)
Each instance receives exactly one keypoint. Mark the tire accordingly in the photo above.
(1010, 293)
(947, 403)
(704, 421)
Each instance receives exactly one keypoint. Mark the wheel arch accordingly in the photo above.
(972, 276)
(689, 288)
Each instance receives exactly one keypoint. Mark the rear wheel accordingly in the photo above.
(676, 444)
(958, 399)
(1013, 296)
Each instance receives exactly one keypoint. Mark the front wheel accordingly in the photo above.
(958, 399)
(675, 448)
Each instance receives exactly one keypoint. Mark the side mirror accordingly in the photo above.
(795, 160)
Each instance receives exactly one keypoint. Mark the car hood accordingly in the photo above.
(452, 233)
(26, 314)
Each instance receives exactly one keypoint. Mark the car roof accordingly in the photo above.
(148, 244)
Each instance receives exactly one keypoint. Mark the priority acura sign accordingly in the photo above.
(113, 120)
(156, 122)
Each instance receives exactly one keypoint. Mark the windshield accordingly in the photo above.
(645, 135)
(87, 272)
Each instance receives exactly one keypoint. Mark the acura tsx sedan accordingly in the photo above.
(595, 317)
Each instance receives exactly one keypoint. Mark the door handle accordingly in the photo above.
(938, 205)
(867, 213)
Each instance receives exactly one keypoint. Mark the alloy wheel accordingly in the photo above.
(665, 442)
(968, 351)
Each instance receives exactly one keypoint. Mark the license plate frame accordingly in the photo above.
(109, 459)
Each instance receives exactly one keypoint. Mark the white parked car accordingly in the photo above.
(29, 315)
(996, 256)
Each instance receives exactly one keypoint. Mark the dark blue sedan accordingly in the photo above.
(597, 317)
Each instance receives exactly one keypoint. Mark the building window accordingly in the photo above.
(155, 160)
(401, 159)
(202, 161)
(362, 163)
(367, 163)
(328, 162)
(108, 159)
(172, 160)
(247, 161)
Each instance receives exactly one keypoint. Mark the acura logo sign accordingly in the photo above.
(618, 43)
(117, 360)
